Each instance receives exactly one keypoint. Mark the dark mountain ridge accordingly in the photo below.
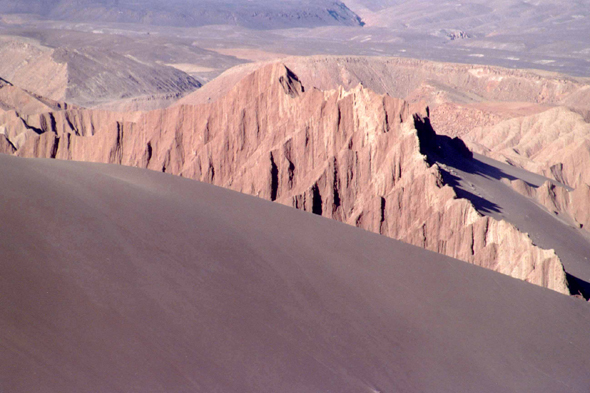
(258, 14)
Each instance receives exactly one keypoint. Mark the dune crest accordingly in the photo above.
(116, 279)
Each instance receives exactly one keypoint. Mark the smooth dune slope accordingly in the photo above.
(115, 279)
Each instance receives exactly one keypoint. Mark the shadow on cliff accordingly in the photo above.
(452, 154)
(578, 286)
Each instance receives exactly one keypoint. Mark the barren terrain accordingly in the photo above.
(125, 280)
(177, 41)
(455, 137)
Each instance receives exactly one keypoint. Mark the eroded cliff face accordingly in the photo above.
(355, 156)
(25, 115)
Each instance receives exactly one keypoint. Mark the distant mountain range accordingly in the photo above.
(257, 14)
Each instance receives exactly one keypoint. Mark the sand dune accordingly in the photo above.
(116, 279)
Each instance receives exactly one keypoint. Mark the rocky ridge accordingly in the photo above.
(461, 96)
(24, 116)
(420, 81)
(355, 156)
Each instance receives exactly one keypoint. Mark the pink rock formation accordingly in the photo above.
(24, 115)
(349, 155)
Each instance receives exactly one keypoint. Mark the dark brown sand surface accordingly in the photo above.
(114, 279)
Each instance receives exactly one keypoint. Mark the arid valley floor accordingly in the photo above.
(298, 196)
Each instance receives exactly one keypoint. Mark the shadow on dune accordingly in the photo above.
(451, 153)
(482, 205)
(578, 286)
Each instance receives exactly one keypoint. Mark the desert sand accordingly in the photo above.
(117, 279)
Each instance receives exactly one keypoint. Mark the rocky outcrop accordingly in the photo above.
(13, 98)
(355, 156)
(457, 35)
(20, 113)
(24, 116)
